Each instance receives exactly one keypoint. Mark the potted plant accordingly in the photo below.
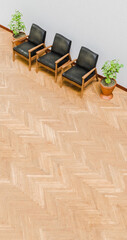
(108, 83)
(16, 25)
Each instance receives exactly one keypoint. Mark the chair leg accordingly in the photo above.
(96, 75)
(29, 61)
(56, 75)
(29, 64)
(61, 83)
(82, 88)
(37, 66)
(13, 55)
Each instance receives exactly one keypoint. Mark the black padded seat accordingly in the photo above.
(50, 58)
(24, 47)
(76, 73)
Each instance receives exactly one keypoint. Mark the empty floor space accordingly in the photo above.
(63, 159)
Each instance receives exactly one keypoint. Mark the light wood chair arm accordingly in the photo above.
(34, 48)
(69, 63)
(38, 53)
(60, 59)
(87, 74)
(20, 39)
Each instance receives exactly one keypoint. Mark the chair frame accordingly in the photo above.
(84, 84)
(25, 39)
(57, 69)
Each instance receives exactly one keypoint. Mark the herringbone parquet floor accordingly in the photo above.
(63, 160)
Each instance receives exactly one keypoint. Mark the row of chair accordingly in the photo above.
(56, 57)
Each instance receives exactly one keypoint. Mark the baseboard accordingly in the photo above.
(119, 86)
(5, 28)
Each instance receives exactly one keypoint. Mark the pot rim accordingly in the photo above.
(18, 34)
(107, 86)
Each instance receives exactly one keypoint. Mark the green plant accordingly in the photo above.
(16, 25)
(110, 70)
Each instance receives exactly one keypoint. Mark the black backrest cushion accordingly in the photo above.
(37, 34)
(87, 59)
(61, 45)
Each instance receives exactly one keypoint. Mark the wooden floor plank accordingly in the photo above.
(63, 159)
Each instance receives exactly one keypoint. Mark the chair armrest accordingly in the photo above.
(69, 63)
(20, 39)
(60, 59)
(87, 74)
(38, 53)
(34, 48)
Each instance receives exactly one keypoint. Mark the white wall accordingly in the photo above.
(100, 25)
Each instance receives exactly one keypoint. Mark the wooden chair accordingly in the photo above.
(54, 59)
(30, 44)
(83, 70)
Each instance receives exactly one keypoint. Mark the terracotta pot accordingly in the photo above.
(21, 34)
(107, 91)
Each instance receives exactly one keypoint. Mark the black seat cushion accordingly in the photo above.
(87, 59)
(24, 47)
(76, 73)
(37, 34)
(61, 45)
(50, 58)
